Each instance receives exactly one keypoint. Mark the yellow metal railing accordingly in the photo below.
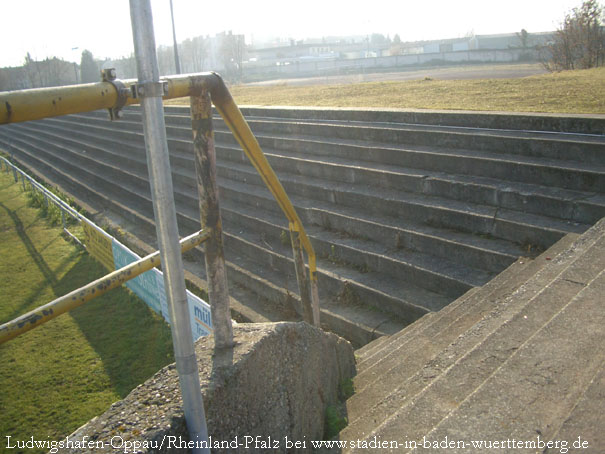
(112, 94)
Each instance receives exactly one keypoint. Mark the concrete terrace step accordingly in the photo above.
(398, 236)
(564, 147)
(412, 266)
(192, 184)
(580, 124)
(363, 255)
(578, 206)
(395, 297)
(82, 186)
(457, 316)
(404, 217)
(437, 346)
(533, 122)
(464, 374)
(572, 205)
(269, 295)
(586, 416)
(327, 251)
(528, 169)
(431, 210)
(562, 204)
(564, 368)
(580, 172)
(567, 145)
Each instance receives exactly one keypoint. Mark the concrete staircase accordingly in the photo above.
(406, 211)
(520, 359)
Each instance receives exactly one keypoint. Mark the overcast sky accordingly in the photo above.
(64, 28)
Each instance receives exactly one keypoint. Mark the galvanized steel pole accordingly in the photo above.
(151, 90)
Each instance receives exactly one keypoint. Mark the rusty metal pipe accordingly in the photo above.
(43, 314)
(205, 170)
(17, 106)
(301, 276)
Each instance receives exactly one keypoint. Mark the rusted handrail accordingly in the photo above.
(24, 105)
(193, 85)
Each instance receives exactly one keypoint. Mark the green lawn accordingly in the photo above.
(581, 91)
(55, 378)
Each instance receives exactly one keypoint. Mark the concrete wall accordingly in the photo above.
(276, 383)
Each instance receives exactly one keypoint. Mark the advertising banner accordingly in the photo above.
(199, 310)
(99, 245)
(149, 286)
(144, 286)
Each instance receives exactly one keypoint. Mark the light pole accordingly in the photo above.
(177, 63)
(74, 50)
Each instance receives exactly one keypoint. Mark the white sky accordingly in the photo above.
(48, 28)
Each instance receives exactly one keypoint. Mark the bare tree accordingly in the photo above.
(233, 48)
(194, 52)
(59, 72)
(166, 60)
(33, 72)
(47, 73)
(523, 38)
(89, 68)
(4, 80)
(579, 42)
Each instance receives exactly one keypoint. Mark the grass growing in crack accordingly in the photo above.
(346, 389)
(284, 238)
(334, 258)
(336, 418)
(334, 422)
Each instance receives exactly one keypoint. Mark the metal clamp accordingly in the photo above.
(149, 89)
(109, 75)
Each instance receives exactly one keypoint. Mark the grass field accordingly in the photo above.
(55, 378)
(565, 92)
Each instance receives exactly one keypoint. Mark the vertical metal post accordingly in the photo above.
(160, 178)
(301, 274)
(315, 298)
(205, 169)
(23, 182)
(177, 63)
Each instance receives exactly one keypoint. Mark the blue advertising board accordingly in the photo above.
(149, 286)
(144, 286)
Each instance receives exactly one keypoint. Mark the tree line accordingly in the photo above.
(579, 42)
(225, 53)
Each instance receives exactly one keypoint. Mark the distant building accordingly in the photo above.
(510, 40)
(363, 47)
